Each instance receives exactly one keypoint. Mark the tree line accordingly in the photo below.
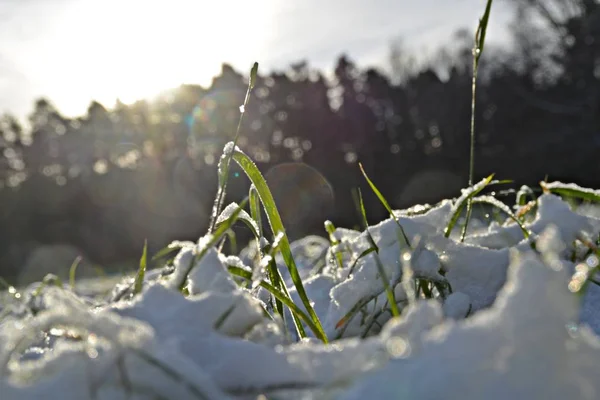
(106, 181)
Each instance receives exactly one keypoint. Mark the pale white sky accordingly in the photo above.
(73, 51)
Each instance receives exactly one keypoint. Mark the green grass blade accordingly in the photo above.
(338, 254)
(385, 204)
(504, 208)
(139, 278)
(276, 226)
(225, 160)
(363, 254)
(170, 248)
(283, 297)
(462, 200)
(212, 240)
(273, 272)
(386, 284)
(522, 194)
(255, 211)
(223, 317)
(571, 190)
(73, 271)
(242, 216)
(477, 52)
(481, 31)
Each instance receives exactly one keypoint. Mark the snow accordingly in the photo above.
(502, 321)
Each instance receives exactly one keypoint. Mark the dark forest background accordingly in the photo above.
(100, 184)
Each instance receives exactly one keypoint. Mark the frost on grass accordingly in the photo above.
(510, 327)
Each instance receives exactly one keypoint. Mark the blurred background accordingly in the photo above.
(115, 113)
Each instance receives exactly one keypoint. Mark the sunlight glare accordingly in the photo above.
(131, 49)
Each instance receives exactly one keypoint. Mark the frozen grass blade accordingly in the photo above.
(338, 254)
(274, 274)
(242, 216)
(211, 240)
(225, 160)
(170, 248)
(255, 211)
(462, 200)
(477, 52)
(522, 194)
(276, 226)
(73, 271)
(571, 190)
(385, 204)
(281, 296)
(386, 284)
(363, 254)
(278, 282)
(141, 273)
(504, 208)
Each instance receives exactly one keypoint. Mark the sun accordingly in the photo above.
(133, 49)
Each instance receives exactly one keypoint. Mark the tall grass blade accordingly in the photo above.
(477, 52)
(225, 161)
(276, 224)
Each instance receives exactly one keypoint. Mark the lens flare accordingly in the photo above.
(302, 194)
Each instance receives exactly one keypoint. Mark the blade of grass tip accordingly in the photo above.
(73, 271)
(385, 203)
(276, 224)
(386, 284)
(141, 273)
(477, 52)
(482, 29)
(224, 168)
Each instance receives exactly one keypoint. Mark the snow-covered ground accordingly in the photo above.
(504, 321)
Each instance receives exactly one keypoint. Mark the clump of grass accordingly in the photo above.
(276, 225)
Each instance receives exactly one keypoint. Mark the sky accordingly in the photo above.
(75, 51)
